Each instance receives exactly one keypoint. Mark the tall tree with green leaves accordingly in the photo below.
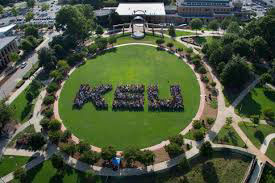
(30, 3)
(171, 31)
(196, 24)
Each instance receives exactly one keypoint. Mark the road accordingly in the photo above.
(7, 88)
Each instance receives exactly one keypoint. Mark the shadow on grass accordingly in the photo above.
(249, 106)
(32, 172)
(259, 135)
(209, 173)
(270, 94)
(26, 111)
(233, 137)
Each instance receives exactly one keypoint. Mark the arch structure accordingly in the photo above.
(138, 24)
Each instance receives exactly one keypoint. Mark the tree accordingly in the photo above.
(112, 40)
(171, 31)
(131, 155)
(173, 149)
(255, 120)
(54, 125)
(108, 153)
(45, 7)
(206, 149)
(6, 113)
(197, 124)
(99, 30)
(225, 23)
(92, 49)
(57, 162)
(37, 141)
(177, 139)
(269, 114)
(55, 136)
(236, 72)
(14, 57)
(47, 59)
(214, 25)
(229, 121)
(1, 9)
(29, 16)
(101, 43)
(198, 135)
(66, 135)
(90, 157)
(59, 51)
(68, 148)
(31, 30)
(170, 45)
(233, 28)
(45, 123)
(26, 46)
(265, 78)
(75, 58)
(83, 147)
(146, 157)
(242, 47)
(259, 47)
(196, 24)
(160, 42)
(14, 11)
(30, 3)
(183, 165)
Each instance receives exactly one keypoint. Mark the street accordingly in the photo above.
(7, 88)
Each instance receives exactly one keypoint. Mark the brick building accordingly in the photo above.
(7, 46)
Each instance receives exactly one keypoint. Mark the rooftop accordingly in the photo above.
(103, 12)
(138, 8)
(5, 41)
(6, 28)
(206, 1)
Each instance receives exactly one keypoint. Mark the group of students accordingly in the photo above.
(86, 94)
(129, 97)
(173, 104)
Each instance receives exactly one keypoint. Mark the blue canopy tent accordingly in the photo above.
(116, 161)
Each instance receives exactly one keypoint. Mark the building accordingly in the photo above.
(7, 46)
(7, 30)
(205, 9)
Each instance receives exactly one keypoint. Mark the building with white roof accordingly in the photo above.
(7, 30)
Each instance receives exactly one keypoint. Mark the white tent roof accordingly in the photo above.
(148, 8)
(7, 28)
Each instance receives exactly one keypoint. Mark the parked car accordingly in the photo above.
(23, 65)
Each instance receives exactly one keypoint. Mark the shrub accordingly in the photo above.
(57, 161)
(255, 120)
(92, 49)
(45, 123)
(229, 121)
(196, 62)
(69, 148)
(90, 157)
(197, 124)
(146, 157)
(108, 153)
(54, 125)
(204, 79)
(131, 155)
(160, 41)
(178, 139)
(206, 149)
(66, 135)
(55, 136)
(269, 114)
(37, 141)
(53, 87)
(201, 70)
(48, 112)
(48, 100)
(210, 121)
(170, 45)
(183, 165)
(198, 135)
(213, 84)
(173, 149)
(83, 147)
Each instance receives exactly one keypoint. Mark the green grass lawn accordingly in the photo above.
(227, 135)
(149, 38)
(30, 129)
(222, 168)
(256, 101)
(258, 133)
(10, 163)
(181, 33)
(22, 107)
(271, 150)
(127, 65)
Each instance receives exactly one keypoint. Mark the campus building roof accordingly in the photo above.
(5, 29)
(5, 41)
(140, 8)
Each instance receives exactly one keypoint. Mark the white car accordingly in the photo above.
(23, 65)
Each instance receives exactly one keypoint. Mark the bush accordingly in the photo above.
(90, 157)
(69, 148)
(55, 136)
(210, 121)
(146, 157)
(198, 135)
(48, 100)
(183, 165)
(201, 70)
(54, 125)
(178, 139)
(173, 149)
(57, 161)
(206, 149)
(255, 120)
(37, 141)
(204, 79)
(131, 155)
(48, 112)
(53, 87)
(66, 135)
(213, 84)
(45, 123)
(189, 50)
(108, 153)
(160, 41)
(19, 84)
(197, 124)
(92, 49)
(83, 147)
(269, 114)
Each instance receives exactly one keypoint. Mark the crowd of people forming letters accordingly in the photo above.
(130, 97)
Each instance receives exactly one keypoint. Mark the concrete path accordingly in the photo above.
(21, 152)
(266, 142)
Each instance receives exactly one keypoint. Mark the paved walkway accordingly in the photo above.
(266, 142)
